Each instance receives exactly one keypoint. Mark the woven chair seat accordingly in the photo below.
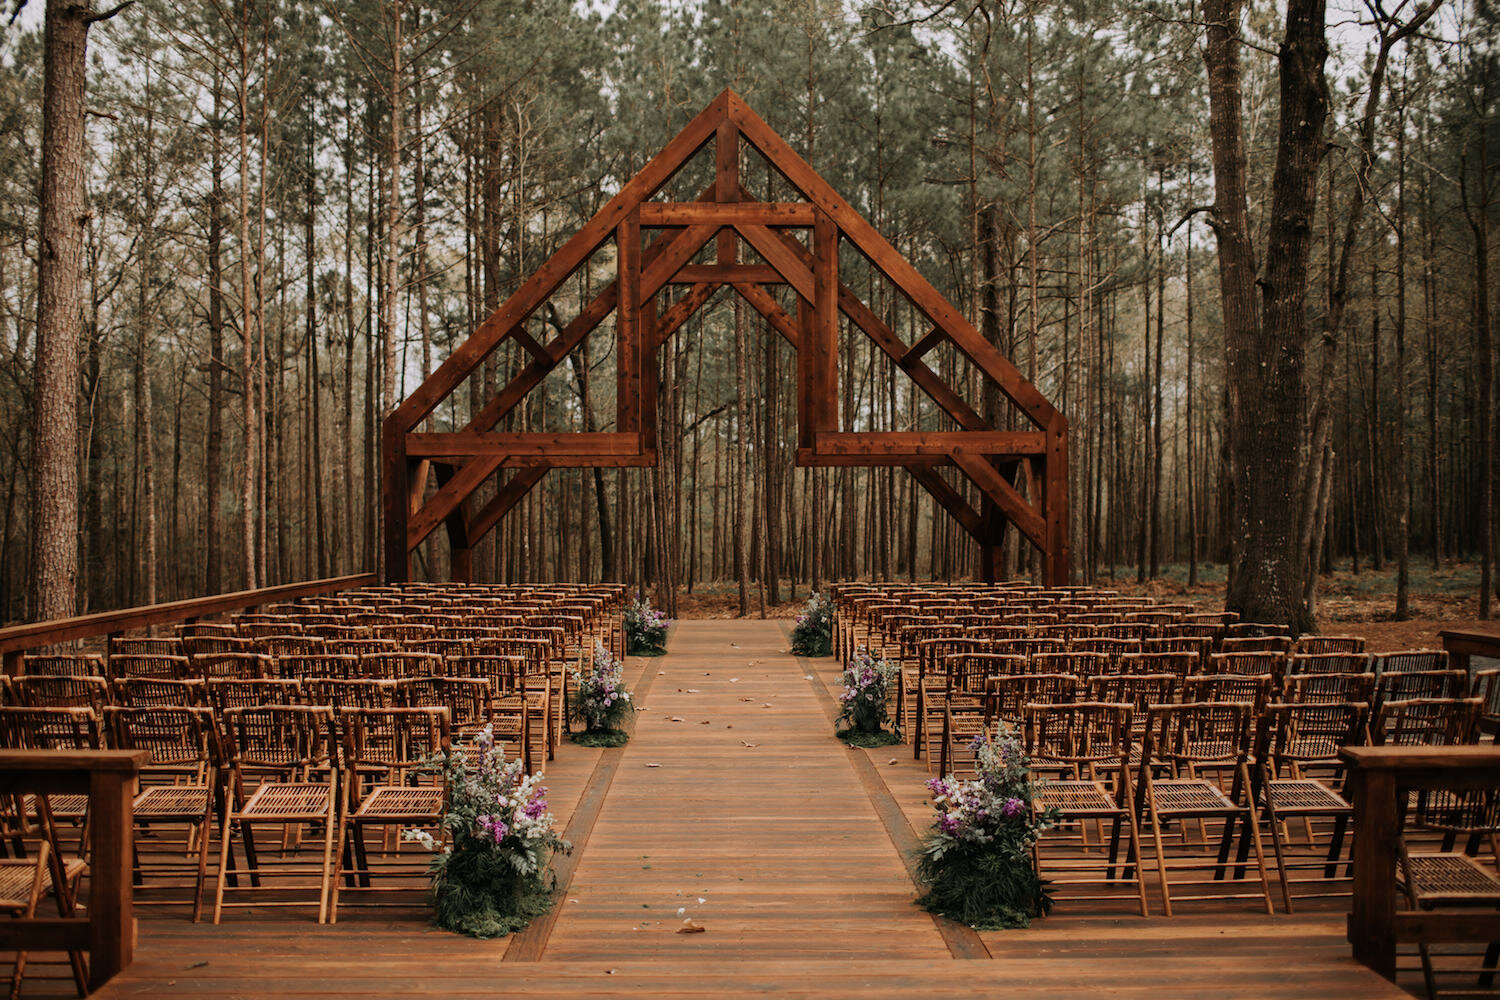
(1290, 795)
(1074, 797)
(171, 800)
(287, 800)
(1453, 878)
(64, 806)
(401, 802)
(1190, 795)
(16, 875)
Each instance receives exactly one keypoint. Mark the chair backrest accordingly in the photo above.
(1257, 644)
(155, 645)
(1402, 685)
(225, 693)
(1140, 691)
(1180, 664)
(180, 739)
(1308, 734)
(1251, 690)
(1011, 694)
(1328, 663)
(1425, 722)
(1249, 663)
(362, 646)
(396, 666)
(239, 664)
(1077, 664)
(152, 692)
(50, 728)
(64, 664)
(212, 645)
(1077, 735)
(285, 739)
(284, 644)
(1411, 659)
(1199, 732)
(340, 665)
(163, 666)
(60, 691)
(392, 739)
(467, 699)
(1329, 644)
(340, 692)
(1322, 688)
(506, 674)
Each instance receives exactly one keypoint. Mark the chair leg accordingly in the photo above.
(338, 865)
(1161, 857)
(223, 867)
(1277, 833)
(203, 829)
(325, 889)
(1253, 822)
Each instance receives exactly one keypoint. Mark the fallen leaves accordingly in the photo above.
(688, 927)
(653, 765)
(752, 746)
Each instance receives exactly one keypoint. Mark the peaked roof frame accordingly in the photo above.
(726, 214)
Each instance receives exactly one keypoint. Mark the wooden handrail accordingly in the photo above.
(1464, 643)
(18, 638)
(108, 778)
(1379, 778)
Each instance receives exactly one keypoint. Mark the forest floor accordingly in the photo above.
(1362, 603)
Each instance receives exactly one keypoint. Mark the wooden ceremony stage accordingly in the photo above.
(734, 791)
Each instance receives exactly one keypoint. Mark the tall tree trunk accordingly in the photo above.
(1264, 355)
(54, 563)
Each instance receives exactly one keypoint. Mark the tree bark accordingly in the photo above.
(54, 564)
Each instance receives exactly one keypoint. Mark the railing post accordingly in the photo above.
(1372, 917)
(111, 907)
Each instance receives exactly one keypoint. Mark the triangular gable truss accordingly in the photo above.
(727, 215)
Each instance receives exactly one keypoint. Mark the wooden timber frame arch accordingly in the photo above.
(462, 461)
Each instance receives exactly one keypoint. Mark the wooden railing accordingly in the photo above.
(14, 641)
(1463, 643)
(107, 777)
(1379, 778)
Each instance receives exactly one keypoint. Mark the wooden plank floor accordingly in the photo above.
(795, 845)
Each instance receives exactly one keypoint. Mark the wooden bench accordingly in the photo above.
(1378, 778)
(108, 778)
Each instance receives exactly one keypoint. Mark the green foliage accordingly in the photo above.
(813, 633)
(976, 859)
(645, 629)
(601, 702)
(489, 872)
(867, 685)
(867, 740)
(601, 738)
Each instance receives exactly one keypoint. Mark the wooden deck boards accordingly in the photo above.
(789, 843)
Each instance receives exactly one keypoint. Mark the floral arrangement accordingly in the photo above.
(867, 685)
(600, 700)
(496, 839)
(813, 633)
(976, 860)
(645, 629)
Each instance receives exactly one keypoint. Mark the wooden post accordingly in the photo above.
(1372, 916)
(824, 392)
(1056, 571)
(646, 334)
(111, 905)
(627, 324)
(395, 499)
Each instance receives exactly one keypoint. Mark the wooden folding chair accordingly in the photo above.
(1084, 750)
(289, 749)
(384, 751)
(24, 882)
(177, 785)
(1182, 741)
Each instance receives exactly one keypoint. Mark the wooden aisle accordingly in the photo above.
(793, 842)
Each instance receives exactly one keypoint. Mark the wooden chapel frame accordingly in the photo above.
(462, 461)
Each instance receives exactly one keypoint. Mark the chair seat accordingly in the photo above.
(276, 800)
(1074, 797)
(63, 806)
(401, 802)
(1190, 795)
(1292, 795)
(171, 800)
(16, 875)
(1450, 877)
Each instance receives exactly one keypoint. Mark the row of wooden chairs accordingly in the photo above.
(332, 770)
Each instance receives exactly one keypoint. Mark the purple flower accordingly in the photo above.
(1012, 808)
(494, 826)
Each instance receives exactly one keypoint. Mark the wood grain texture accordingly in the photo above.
(805, 892)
